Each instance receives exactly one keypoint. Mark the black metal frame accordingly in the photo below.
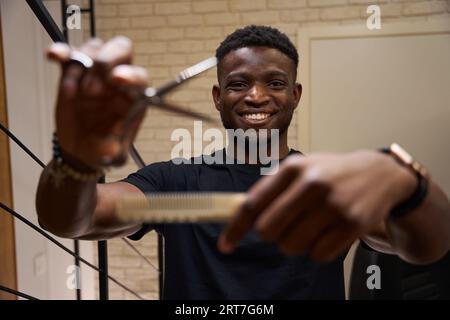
(20, 217)
(44, 17)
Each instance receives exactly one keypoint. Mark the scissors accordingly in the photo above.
(154, 96)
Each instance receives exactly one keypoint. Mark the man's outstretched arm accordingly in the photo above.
(90, 114)
(320, 204)
(81, 210)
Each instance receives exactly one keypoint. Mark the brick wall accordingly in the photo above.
(171, 35)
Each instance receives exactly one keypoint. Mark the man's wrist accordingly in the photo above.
(76, 163)
(67, 166)
(412, 181)
(406, 185)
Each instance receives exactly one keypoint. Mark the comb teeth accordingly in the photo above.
(179, 207)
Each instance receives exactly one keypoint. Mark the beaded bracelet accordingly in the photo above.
(62, 169)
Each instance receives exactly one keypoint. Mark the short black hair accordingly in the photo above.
(257, 36)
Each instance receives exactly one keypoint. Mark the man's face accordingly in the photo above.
(257, 89)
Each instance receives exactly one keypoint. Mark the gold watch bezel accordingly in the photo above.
(406, 159)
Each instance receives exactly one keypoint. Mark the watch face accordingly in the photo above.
(401, 153)
(408, 160)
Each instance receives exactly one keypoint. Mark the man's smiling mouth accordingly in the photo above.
(256, 117)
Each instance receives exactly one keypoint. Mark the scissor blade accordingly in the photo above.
(184, 75)
(198, 68)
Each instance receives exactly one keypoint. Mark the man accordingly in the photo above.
(307, 214)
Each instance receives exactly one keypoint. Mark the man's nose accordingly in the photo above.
(257, 96)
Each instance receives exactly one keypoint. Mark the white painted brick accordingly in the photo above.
(150, 47)
(105, 35)
(148, 1)
(134, 10)
(166, 33)
(326, 3)
(148, 22)
(124, 262)
(406, 0)
(209, 6)
(246, 5)
(111, 1)
(221, 19)
(154, 146)
(201, 83)
(185, 46)
(144, 272)
(286, 4)
(102, 11)
(112, 23)
(141, 60)
(169, 8)
(186, 20)
(114, 250)
(300, 15)
(191, 95)
(167, 59)
(339, 13)
(158, 72)
(368, 2)
(288, 28)
(203, 33)
(260, 17)
(134, 34)
(164, 134)
(425, 8)
(211, 45)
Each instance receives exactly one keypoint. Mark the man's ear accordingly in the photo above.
(297, 94)
(216, 97)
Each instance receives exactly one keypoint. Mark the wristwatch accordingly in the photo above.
(423, 179)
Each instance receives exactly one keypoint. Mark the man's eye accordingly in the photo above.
(277, 84)
(236, 86)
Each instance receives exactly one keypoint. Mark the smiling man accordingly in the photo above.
(257, 84)
(292, 222)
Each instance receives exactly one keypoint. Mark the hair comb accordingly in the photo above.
(179, 207)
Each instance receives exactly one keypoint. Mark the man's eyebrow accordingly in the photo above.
(268, 73)
(273, 73)
(241, 74)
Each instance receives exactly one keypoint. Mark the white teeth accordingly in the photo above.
(256, 116)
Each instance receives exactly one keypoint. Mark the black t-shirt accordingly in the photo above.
(195, 269)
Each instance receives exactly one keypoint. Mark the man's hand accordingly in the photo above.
(320, 204)
(93, 105)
